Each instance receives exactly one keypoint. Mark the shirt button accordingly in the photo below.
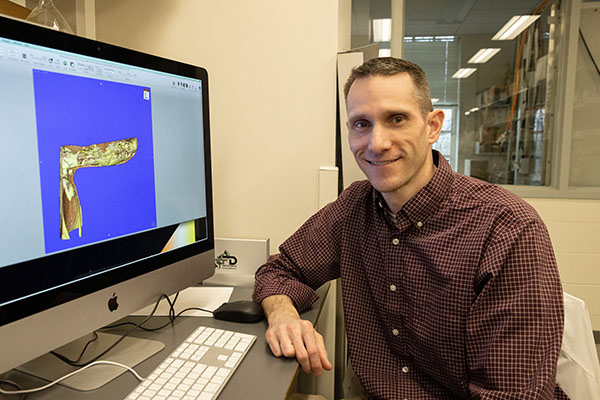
(419, 224)
(393, 288)
(395, 241)
(395, 332)
(405, 370)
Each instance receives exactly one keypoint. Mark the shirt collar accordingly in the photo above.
(426, 202)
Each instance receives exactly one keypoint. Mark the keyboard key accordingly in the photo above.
(241, 346)
(155, 387)
(211, 388)
(199, 368)
(209, 372)
(183, 387)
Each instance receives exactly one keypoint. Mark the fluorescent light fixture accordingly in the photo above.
(463, 73)
(514, 27)
(424, 38)
(483, 56)
(382, 30)
(385, 52)
(434, 100)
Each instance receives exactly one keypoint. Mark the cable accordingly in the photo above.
(588, 51)
(71, 362)
(11, 383)
(172, 318)
(95, 361)
(39, 389)
(77, 364)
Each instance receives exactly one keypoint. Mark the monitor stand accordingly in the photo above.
(131, 351)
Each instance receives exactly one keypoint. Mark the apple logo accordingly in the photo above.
(112, 303)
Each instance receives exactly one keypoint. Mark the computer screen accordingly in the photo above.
(105, 169)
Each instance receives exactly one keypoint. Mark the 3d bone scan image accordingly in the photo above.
(96, 159)
(73, 158)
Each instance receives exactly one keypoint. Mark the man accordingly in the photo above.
(449, 284)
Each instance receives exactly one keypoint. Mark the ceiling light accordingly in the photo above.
(514, 27)
(382, 30)
(483, 56)
(385, 52)
(463, 73)
(434, 100)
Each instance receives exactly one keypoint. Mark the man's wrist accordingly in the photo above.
(279, 308)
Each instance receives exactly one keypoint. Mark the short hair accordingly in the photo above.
(388, 66)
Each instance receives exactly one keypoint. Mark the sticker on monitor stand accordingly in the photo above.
(226, 261)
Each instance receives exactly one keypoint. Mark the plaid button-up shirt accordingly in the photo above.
(459, 297)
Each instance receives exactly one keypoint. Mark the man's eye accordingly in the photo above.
(398, 119)
(361, 124)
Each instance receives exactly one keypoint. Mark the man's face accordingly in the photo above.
(389, 137)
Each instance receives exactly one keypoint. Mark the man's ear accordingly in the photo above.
(435, 120)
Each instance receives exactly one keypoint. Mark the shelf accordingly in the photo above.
(13, 10)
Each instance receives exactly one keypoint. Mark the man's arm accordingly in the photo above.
(290, 336)
(514, 330)
(286, 285)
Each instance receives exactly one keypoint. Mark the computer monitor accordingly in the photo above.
(106, 199)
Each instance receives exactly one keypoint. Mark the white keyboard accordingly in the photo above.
(198, 369)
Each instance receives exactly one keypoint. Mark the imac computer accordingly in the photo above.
(106, 200)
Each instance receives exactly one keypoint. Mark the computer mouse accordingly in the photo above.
(240, 311)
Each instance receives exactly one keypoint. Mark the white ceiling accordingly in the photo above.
(461, 17)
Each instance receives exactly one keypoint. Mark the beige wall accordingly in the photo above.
(272, 87)
(574, 227)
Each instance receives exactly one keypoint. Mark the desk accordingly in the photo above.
(259, 376)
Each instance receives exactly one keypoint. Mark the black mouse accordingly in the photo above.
(240, 311)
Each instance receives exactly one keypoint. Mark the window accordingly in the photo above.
(585, 140)
(439, 58)
(525, 117)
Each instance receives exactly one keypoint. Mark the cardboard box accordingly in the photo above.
(13, 10)
(476, 168)
(488, 134)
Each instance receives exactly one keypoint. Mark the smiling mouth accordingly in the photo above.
(378, 163)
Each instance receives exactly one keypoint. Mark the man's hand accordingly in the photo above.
(290, 336)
